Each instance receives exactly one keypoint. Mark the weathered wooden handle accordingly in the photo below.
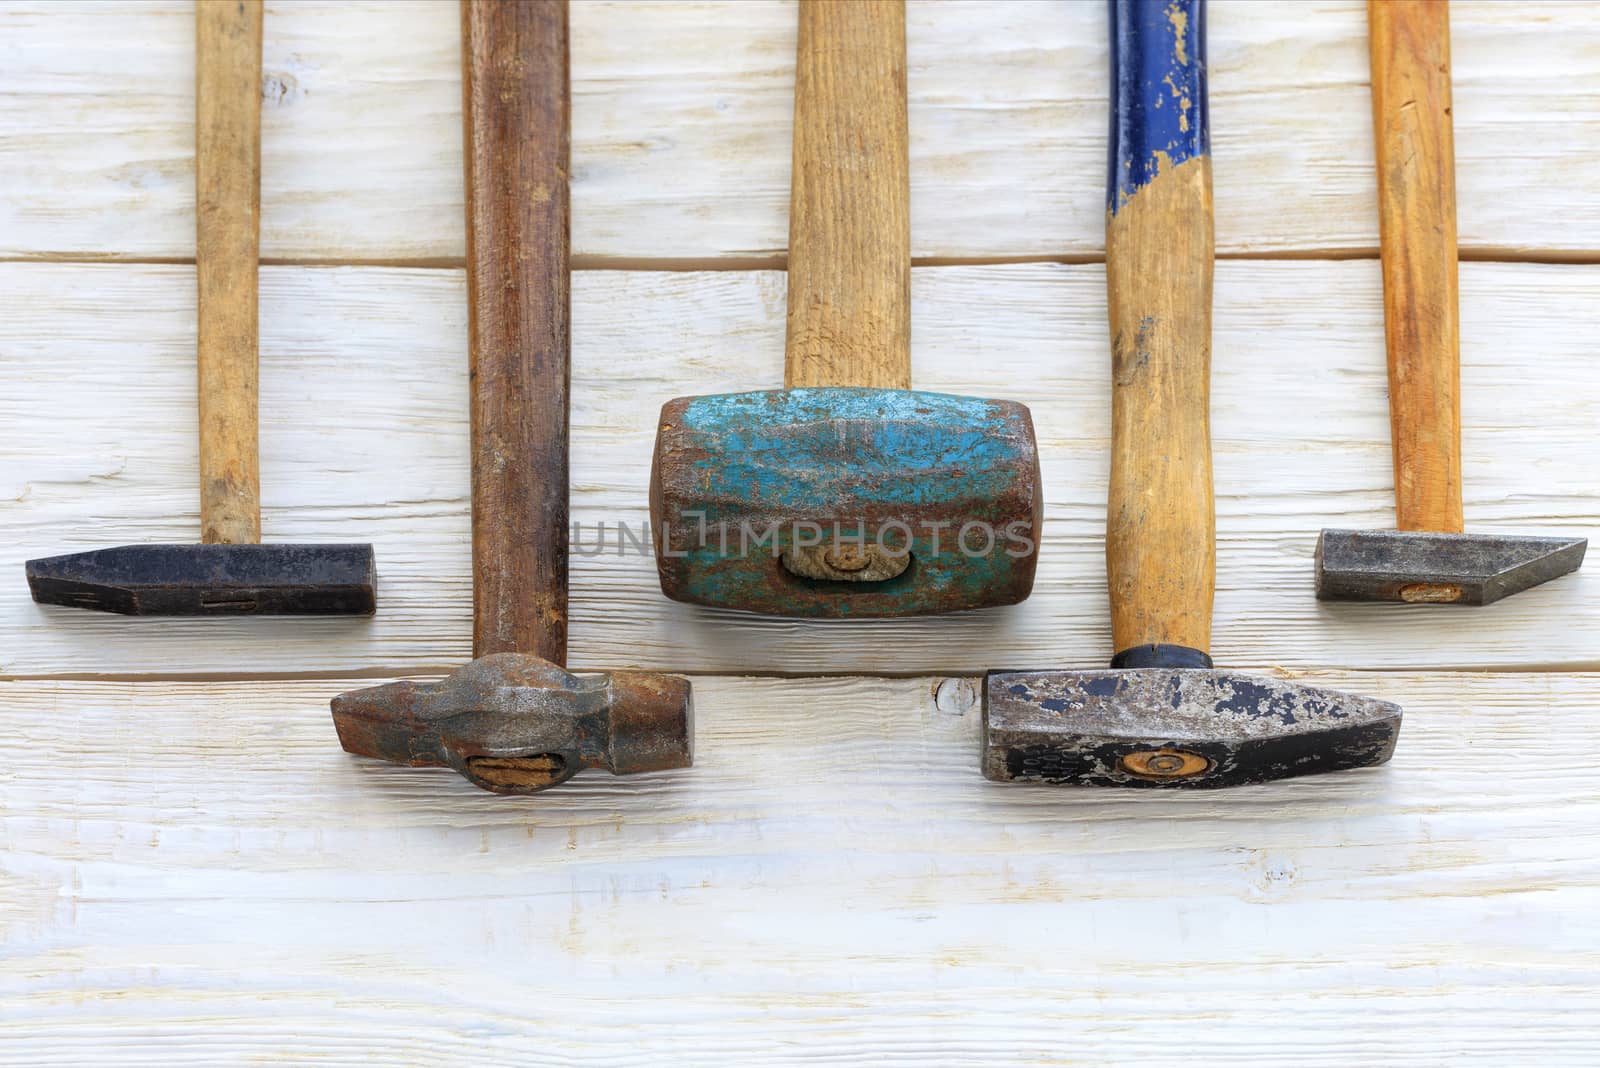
(850, 199)
(227, 249)
(515, 101)
(1160, 530)
(1410, 42)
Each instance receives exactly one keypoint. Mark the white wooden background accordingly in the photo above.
(192, 872)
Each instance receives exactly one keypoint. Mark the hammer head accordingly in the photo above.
(211, 580)
(1174, 727)
(516, 724)
(845, 502)
(1423, 568)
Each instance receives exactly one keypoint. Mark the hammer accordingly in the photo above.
(513, 721)
(1428, 560)
(229, 573)
(847, 494)
(1161, 716)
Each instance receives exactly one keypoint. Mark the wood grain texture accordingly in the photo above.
(682, 129)
(1161, 558)
(514, 58)
(1299, 428)
(227, 248)
(1410, 45)
(192, 873)
(849, 319)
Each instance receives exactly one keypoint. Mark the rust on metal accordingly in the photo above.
(517, 724)
(846, 502)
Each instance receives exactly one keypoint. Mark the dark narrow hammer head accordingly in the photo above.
(1423, 568)
(1175, 727)
(845, 502)
(516, 724)
(211, 580)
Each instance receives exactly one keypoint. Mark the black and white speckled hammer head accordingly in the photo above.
(1175, 727)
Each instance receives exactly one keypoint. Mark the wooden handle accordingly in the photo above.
(850, 199)
(227, 172)
(1410, 41)
(514, 80)
(1160, 530)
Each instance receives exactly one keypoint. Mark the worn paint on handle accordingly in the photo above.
(1159, 115)
(1160, 526)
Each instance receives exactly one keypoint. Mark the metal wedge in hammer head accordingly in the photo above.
(1428, 560)
(847, 494)
(513, 720)
(515, 724)
(1161, 716)
(230, 573)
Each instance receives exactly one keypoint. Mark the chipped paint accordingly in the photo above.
(1158, 53)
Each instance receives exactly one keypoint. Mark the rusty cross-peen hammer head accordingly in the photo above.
(517, 724)
(1421, 567)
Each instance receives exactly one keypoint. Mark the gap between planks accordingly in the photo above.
(410, 671)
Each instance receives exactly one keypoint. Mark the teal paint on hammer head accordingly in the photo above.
(803, 447)
(1159, 113)
(742, 479)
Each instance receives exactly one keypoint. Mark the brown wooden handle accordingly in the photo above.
(1410, 41)
(850, 199)
(227, 174)
(514, 84)
(1160, 525)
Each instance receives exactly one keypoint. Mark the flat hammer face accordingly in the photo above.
(517, 724)
(211, 580)
(845, 502)
(1424, 568)
(1178, 728)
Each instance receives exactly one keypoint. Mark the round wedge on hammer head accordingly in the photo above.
(1154, 727)
(517, 724)
(845, 502)
(1418, 567)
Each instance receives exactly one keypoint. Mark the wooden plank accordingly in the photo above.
(364, 438)
(195, 871)
(681, 129)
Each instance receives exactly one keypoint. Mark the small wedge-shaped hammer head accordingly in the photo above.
(1175, 727)
(845, 502)
(1424, 568)
(517, 724)
(211, 580)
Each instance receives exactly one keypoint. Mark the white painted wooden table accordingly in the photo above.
(192, 872)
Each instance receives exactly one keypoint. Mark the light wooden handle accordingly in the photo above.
(227, 173)
(850, 199)
(1410, 41)
(515, 107)
(1160, 530)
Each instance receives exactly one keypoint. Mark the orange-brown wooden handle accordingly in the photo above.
(1410, 42)
(1160, 525)
(227, 250)
(515, 89)
(850, 199)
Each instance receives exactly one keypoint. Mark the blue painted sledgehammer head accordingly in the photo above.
(845, 502)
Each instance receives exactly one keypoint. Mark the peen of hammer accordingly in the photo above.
(1162, 716)
(513, 720)
(847, 494)
(229, 573)
(1428, 560)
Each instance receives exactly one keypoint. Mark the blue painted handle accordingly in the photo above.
(1159, 115)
